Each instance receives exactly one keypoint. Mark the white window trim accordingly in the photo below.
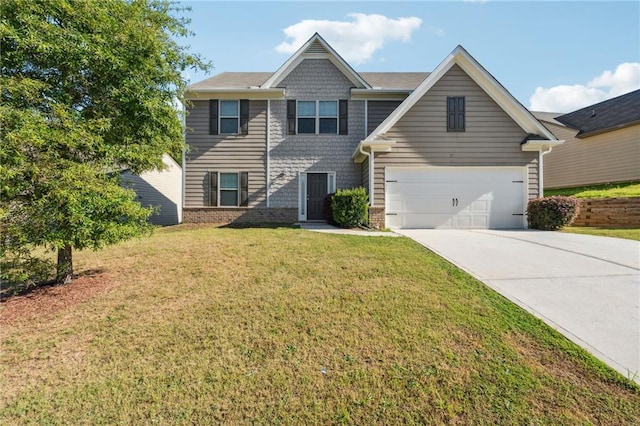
(318, 117)
(238, 189)
(302, 190)
(220, 116)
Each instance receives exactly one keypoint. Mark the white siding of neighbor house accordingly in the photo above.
(491, 138)
(161, 189)
(612, 156)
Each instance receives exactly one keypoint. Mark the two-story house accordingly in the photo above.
(446, 149)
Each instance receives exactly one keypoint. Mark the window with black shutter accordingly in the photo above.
(213, 117)
(291, 116)
(455, 114)
(344, 115)
(244, 116)
(228, 189)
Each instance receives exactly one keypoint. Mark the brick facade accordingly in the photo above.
(239, 215)
(376, 217)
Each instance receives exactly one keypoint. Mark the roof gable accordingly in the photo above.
(611, 114)
(459, 56)
(315, 48)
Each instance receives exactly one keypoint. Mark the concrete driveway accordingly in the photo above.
(586, 287)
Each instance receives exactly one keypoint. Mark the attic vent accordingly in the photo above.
(316, 47)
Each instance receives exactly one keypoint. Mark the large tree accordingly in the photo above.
(88, 88)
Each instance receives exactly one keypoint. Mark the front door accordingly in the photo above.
(316, 190)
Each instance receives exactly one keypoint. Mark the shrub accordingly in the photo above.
(551, 213)
(350, 207)
(327, 211)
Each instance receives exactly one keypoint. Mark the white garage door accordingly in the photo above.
(455, 197)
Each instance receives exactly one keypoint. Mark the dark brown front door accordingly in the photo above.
(316, 190)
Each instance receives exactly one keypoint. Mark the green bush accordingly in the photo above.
(327, 211)
(552, 213)
(350, 207)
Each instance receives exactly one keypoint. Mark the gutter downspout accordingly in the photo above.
(541, 171)
(369, 156)
(184, 159)
(268, 165)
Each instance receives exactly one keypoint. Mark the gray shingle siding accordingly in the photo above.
(313, 79)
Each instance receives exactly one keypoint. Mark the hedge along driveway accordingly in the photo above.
(585, 286)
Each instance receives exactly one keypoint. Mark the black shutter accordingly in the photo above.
(343, 108)
(291, 116)
(460, 115)
(451, 114)
(455, 114)
(213, 188)
(244, 116)
(244, 189)
(213, 117)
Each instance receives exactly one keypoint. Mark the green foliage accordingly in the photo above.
(350, 207)
(88, 87)
(552, 213)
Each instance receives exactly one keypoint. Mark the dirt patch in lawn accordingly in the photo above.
(49, 300)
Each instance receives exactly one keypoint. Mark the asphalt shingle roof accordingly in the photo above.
(610, 114)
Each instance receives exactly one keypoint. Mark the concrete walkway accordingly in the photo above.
(586, 287)
(329, 229)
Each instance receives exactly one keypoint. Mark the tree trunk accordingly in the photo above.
(64, 274)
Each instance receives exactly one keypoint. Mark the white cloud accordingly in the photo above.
(355, 40)
(565, 98)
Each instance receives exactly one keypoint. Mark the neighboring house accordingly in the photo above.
(447, 149)
(161, 189)
(602, 143)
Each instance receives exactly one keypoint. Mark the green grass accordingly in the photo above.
(609, 190)
(626, 233)
(283, 326)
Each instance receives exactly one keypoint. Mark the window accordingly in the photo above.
(230, 117)
(455, 114)
(328, 117)
(228, 189)
(317, 117)
(306, 117)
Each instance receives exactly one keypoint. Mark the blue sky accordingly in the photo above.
(556, 56)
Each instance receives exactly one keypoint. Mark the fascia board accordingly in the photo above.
(539, 145)
(299, 56)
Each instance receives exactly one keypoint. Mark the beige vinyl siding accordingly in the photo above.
(365, 174)
(237, 153)
(377, 111)
(608, 157)
(491, 138)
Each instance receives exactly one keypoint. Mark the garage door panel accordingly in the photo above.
(456, 197)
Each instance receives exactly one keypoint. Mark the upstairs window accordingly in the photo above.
(328, 117)
(317, 117)
(455, 114)
(228, 117)
(306, 117)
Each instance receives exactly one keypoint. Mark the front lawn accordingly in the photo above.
(201, 325)
(609, 190)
